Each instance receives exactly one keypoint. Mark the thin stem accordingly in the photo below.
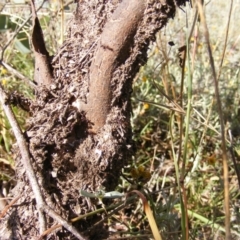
(226, 39)
(220, 113)
(17, 31)
(25, 156)
(26, 160)
(18, 74)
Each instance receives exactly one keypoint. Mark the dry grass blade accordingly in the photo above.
(226, 39)
(149, 214)
(223, 141)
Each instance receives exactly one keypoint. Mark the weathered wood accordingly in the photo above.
(42, 72)
(113, 48)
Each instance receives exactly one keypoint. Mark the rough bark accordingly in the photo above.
(113, 49)
(79, 134)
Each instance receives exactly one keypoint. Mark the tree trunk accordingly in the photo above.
(79, 135)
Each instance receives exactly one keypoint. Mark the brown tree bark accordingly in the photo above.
(79, 135)
(113, 49)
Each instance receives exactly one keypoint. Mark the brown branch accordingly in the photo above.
(63, 222)
(8, 206)
(25, 155)
(26, 160)
(43, 73)
(113, 49)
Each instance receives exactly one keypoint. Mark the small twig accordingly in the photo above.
(49, 230)
(17, 31)
(18, 74)
(8, 206)
(63, 222)
(114, 207)
(26, 160)
(25, 156)
(3, 6)
(226, 39)
(172, 106)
